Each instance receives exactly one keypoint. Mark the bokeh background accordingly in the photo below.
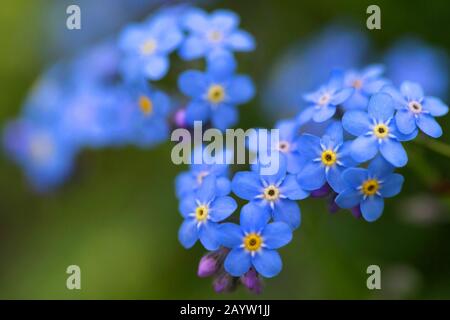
(117, 216)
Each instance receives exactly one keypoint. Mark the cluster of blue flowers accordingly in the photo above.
(109, 95)
(344, 145)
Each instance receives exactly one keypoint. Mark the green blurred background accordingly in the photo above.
(117, 217)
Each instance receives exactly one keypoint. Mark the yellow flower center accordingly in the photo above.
(324, 99)
(148, 47)
(215, 36)
(328, 157)
(271, 193)
(284, 146)
(370, 187)
(381, 130)
(201, 213)
(216, 93)
(252, 242)
(357, 84)
(415, 107)
(146, 105)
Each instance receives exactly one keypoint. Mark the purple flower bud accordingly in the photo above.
(223, 283)
(252, 281)
(208, 266)
(356, 212)
(321, 192)
(180, 118)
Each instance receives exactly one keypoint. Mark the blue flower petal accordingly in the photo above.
(287, 211)
(412, 91)
(224, 117)
(184, 183)
(207, 190)
(267, 263)
(435, 106)
(291, 189)
(187, 205)
(192, 48)
(429, 126)
(334, 178)
(240, 90)
(195, 20)
(277, 235)
(187, 234)
(221, 208)
(344, 155)
(364, 148)
(223, 186)
(406, 123)
(312, 177)
(224, 20)
(341, 96)
(393, 151)
(246, 185)
(280, 172)
(230, 235)
(372, 208)
(209, 235)
(381, 107)
(335, 132)
(399, 99)
(237, 262)
(392, 185)
(309, 146)
(156, 67)
(193, 83)
(324, 113)
(197, 111)
(356, 122)
(348, 198)
(354, 177)
(380, 167)
(254, 217)
(241, 41)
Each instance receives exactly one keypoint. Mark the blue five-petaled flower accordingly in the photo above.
(368, 187)
(214, 34)
(278, 193)
(254, 243)
(324, 102)
(147, 46)
(327, 157)
(216, 93)
(202, 211)
(376, 131)
(414, 109)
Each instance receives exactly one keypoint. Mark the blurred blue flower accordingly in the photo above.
(277, 192)
(311, 56)
(189, 181)
(414, 60)
(147, 45)
(145, 110)
(44, 152)
(214, 34)
(254, 243)
(376, 131)
(327, 158)
(324, 101)
(368, 187)
(202, 211)
(215, 93)
(366, 82)
(416, 110)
